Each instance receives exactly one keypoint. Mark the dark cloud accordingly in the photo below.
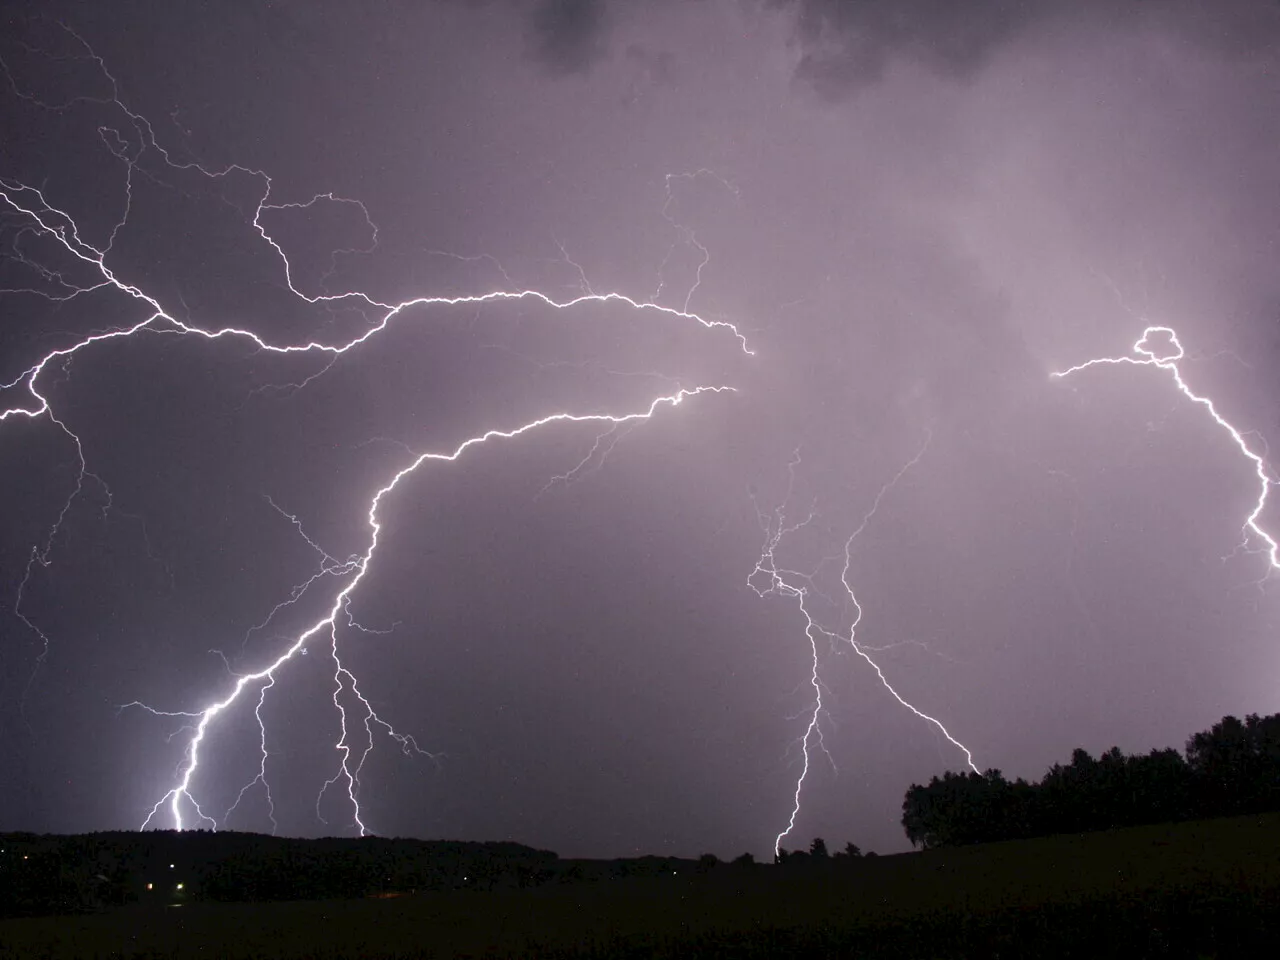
(567, 36)
(850, 43)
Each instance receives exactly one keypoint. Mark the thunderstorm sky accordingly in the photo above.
(913, 213)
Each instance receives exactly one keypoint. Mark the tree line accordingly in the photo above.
(1231, 769)
(67, 874)
(50, 873)
(817, 854)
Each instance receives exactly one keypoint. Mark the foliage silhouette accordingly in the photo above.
(1232, 768)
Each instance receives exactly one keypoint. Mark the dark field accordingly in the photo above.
(1201, 889)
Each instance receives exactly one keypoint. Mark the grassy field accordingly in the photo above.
(1203, 889)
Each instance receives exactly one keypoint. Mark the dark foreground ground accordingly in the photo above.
(1203, 889)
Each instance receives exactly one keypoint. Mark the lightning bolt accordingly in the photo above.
(263, 756)
(768, 578)
(1147, 352)
(357, 719)
(685, 233)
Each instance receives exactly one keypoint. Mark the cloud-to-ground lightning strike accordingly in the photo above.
(1148, 353)
(347, 773)
(798, 585)
(40, 215)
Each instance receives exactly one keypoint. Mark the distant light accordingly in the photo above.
(24, 856)
(171, 866)
(150, 886)
(179, 886)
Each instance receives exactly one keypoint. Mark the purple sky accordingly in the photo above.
(913, 217)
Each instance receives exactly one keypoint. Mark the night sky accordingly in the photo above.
(911, 211)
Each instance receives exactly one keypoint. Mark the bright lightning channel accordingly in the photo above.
(1147, 353)
(797, 585)
(347, 774)
(41, 216)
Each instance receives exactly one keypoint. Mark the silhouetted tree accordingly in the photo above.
(818, 849)
(960, 808)
(791, 858)
(1237, 764)
(1232, 768)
